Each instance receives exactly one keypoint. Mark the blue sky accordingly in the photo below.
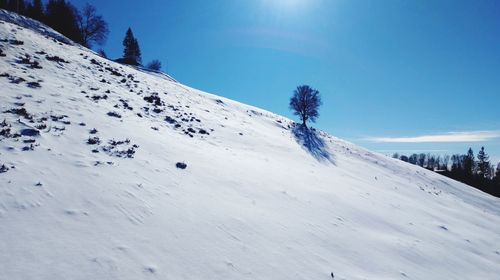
(395, 75)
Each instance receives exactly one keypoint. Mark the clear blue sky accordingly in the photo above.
(395, 75)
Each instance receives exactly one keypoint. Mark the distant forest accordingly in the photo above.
(476, 171)
(85, 26)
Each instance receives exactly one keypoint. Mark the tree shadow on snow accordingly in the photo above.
(312, 142)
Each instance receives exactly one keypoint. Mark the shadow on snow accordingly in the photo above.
(312, 142)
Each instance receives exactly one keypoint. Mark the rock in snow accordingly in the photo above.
(262, 200)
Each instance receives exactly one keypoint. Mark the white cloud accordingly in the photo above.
(466, 136)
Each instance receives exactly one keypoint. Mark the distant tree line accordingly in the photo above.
(476, 171)
(85, 27)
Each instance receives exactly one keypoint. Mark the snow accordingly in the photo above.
(253, 202)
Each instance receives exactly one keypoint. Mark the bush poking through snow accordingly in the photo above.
(95, 62)
(16, 42)
(154, 65)
(21, 112)
(154, 99)
(34, 85)
(114, 114)
(3, 168)
(31, 147)
(181, 165)
(41, 126)
(26, 60)
(119, 148)
(94, 141)
(170, 120)
(55, 58)
(5, 132)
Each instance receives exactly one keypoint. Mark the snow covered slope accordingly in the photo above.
(89, 187)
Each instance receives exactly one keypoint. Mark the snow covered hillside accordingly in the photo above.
(89, 187)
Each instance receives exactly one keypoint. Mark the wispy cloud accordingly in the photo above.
(449, 137)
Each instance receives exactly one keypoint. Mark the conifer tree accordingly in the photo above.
(483, 164)
(131, 49)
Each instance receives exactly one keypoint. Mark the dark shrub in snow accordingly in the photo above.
(181, 165)
(34, 85)
(94, 141)
(56, 59)
(170, 120)
(154, 99)
(5, 132)
(16, 42)
(3, 168)
(154, 65)
(114, 114)
(41, 126)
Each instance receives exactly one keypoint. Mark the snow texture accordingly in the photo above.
(90, 186)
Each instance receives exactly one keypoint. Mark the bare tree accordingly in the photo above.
(305, 103)
(154, 65)
(92, 26)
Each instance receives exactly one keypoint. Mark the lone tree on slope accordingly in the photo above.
(305, 103)
(131, 50)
